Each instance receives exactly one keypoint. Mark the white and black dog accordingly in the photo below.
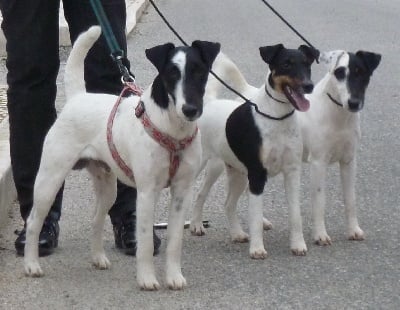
(166, 114)
(256, 142)
(331, 132)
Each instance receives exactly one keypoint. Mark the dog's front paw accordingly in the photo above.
(356, 234)
(148, 282)
(259, 253)
(100, 261)
(299, 248)
(322, 239)
(176, 282)
(32, 269)
(267, 225)
(197, 229)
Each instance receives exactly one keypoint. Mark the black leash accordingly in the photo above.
(117, 53)
(215, 75)
(289, 25)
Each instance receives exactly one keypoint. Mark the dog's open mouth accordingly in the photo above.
(296, 98)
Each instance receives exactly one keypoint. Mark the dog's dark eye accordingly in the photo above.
(287, 65)
(340, 73)
(358, 71)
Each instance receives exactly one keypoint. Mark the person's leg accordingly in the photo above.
(31, 30)
(102, 76)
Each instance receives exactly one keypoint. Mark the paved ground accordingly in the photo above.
(220, 275)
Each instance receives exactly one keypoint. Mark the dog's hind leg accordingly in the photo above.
(213, 170)
(145, 275)
(181, 194)
(348, 176)
(44, 195)
(318, 175)
(105, 186)
(236, 184)
(54, 167)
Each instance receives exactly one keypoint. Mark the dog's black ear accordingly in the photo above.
(208, 51)
(310, 52)
(158, 55)
(268, 53)
(371, 60)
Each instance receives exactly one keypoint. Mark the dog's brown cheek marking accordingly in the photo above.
(281, 80)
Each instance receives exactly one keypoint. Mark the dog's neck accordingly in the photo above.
(271, 102)
(164, 116)
(339, 115)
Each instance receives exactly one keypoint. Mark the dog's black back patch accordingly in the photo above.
(244, 139)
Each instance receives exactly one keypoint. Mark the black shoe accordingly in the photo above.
(124, 235)
(48, 239)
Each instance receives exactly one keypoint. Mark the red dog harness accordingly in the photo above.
(173, 145)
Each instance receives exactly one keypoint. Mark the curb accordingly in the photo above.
(134, 9)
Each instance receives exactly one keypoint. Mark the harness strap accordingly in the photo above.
(129, 87)
(173, 145)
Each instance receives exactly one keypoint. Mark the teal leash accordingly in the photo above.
(117, 54)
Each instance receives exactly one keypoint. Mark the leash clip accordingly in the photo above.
(126, 76)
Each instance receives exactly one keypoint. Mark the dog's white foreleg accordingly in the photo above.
(292, 189)
(236, 184)
(318, 175)
(348, 176)
(146, 276)
(257, 250)
(181, 193)
(213, 170)
(105, 186)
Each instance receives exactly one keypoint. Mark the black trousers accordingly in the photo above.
(31, 29)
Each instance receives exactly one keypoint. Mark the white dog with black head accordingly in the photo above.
(331, 132)
(156, 148)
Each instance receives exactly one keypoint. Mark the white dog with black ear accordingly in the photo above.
(331, 132)
(155, 147)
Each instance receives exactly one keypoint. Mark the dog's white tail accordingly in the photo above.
(227, 70)
(74, 79)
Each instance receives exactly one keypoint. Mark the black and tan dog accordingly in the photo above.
(256, 142)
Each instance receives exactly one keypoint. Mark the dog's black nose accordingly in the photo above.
(189, 111)
(308, 88)
(354, 105)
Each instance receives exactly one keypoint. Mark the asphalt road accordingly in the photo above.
(220, 274)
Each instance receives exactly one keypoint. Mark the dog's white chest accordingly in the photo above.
(273, 160)
(280, 149)
(343, 148)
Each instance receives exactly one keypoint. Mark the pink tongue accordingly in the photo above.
(297, 99)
